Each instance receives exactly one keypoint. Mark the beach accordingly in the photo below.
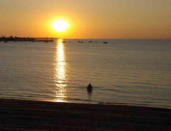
(38, 115)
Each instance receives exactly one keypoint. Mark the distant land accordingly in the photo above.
(21, 39)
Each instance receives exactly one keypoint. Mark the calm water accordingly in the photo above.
(134, 72)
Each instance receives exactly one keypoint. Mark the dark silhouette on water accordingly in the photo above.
(89, 91)
(80, 41)
(90, 41)
(105, 42)
(89, 88)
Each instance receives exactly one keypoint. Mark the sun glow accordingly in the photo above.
(60, 25)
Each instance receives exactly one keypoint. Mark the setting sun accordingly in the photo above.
(60, 25)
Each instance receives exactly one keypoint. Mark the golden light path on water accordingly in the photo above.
(60, 75)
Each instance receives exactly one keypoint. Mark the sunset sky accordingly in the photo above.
(87, 18)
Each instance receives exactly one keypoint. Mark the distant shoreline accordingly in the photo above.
(21, 39)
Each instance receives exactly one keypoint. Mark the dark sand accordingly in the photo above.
(33, 115)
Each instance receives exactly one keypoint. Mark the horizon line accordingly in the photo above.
(86, 38)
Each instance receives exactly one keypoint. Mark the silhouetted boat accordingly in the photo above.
(90, 41)
(105, 42)
(80, 41)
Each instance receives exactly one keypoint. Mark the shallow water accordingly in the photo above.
(135, 72)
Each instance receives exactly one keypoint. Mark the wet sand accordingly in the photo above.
(34, 115)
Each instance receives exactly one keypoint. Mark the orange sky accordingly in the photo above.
(87, 18)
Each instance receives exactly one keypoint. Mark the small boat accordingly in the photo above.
(80, 41)
(105, 42)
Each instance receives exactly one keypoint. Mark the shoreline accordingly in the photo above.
(25, 39)
(41, 115)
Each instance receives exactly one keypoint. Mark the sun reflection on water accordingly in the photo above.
(60, 74)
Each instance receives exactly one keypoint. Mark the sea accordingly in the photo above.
(128, 72)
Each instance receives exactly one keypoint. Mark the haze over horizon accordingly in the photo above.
(117, 19)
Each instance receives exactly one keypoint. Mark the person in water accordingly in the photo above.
(89, 88)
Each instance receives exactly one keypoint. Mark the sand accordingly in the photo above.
(36, 115)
